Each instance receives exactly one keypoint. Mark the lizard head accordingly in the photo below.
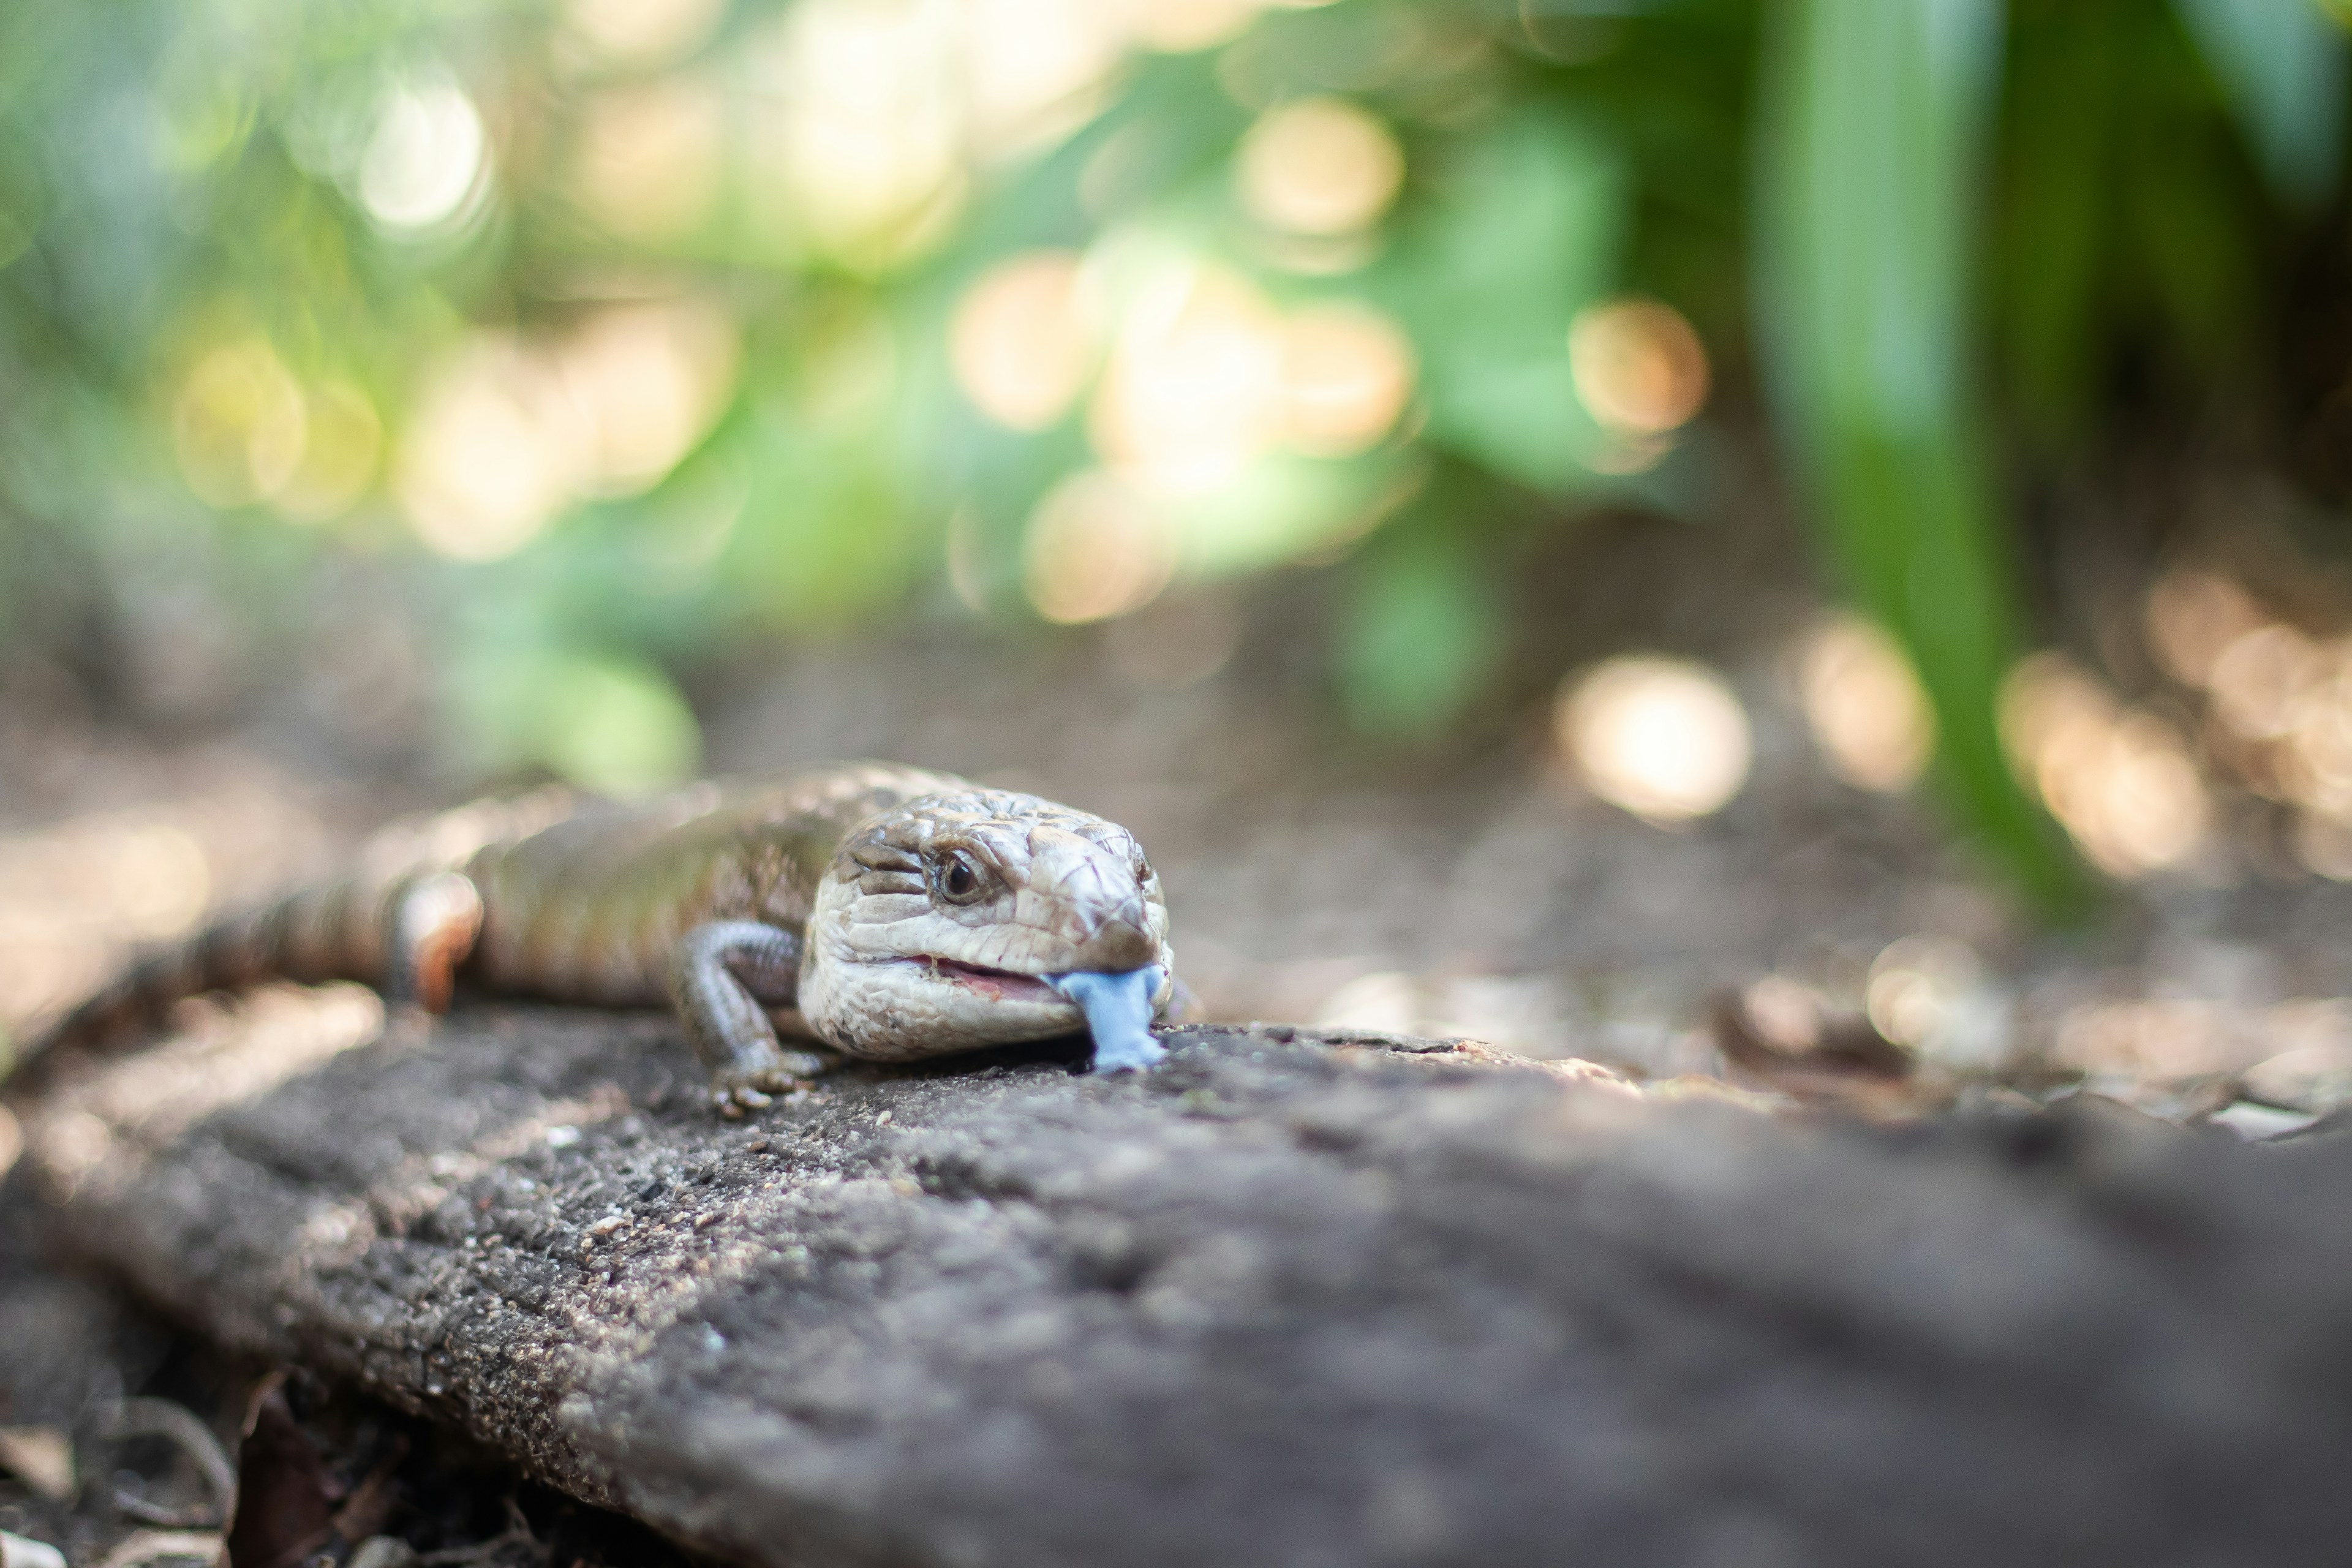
(940, 919)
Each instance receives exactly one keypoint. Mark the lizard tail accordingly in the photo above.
(337, 930)
(331, 933)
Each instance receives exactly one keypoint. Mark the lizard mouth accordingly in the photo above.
(996, 984)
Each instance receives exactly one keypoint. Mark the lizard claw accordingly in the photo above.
(737, 1089)
(731, 1103)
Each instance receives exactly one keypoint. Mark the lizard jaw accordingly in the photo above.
(894, 1007)
(994, 985)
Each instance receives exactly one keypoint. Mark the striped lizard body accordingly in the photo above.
(886, 912)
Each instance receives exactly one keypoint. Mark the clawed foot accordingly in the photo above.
(735, 1091)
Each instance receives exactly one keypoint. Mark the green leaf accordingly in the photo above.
(609, 723)
(1280, 509)
(1522, 233)
(1420, 631)
(2280, 64)
(1875, 115)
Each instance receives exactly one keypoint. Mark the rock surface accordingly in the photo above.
(1286, 1300)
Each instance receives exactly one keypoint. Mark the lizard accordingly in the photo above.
(889, 913)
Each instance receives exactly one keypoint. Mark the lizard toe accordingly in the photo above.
(735, 1091)
(751, 1099)
(791, 1070)
(731, 1097)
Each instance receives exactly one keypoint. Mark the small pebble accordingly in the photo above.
(382, 1552)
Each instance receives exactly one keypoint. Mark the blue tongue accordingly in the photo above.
(1118, 1012)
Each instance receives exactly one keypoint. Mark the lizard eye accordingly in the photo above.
(960, 880)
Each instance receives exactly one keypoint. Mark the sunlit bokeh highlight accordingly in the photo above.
(2279, 703)
(853, 125)
(1640, 369)
(1864, 705)
(2284, 701)
(1020, 344)
(239, 425)
(1666, 739)
(1036, 69)
(1348, 373)
(342, 442)
(510, 434)
(427, 164)
(1930, 993)
(1096, 548)
(2159, 1039)
(642, 34)
(1181, 26)
(1195, 388)
(2264, 680)
(488, 461)
(2122, 782)
(648, 378)
(1320, 167)
(647, 158)
(2193, 615)
(1786, 1013)
(862, 115)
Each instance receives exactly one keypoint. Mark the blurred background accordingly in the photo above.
(1540, 512)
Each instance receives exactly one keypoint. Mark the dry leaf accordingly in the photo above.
(286, 1497)
(40, 1457)
(144, 1546)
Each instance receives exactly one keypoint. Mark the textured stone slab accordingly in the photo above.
(1281, 1302)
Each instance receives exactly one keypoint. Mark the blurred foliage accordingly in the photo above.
(608, 336)
(1876, 125)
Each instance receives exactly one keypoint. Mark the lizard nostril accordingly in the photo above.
(1091, 920)
(1120, 943)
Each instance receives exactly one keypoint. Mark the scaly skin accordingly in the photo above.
(889, 913)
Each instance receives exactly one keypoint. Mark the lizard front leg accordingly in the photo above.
(723, 976)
